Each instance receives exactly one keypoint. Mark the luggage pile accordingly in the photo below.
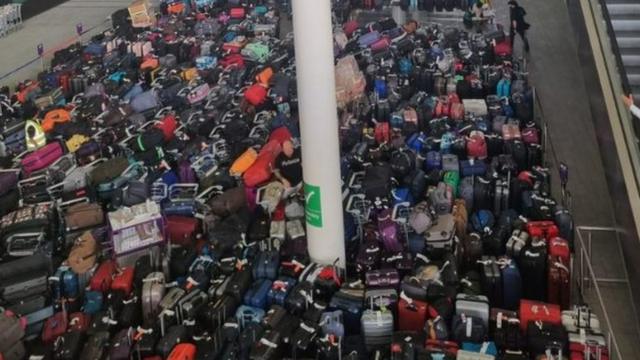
(413, 5)
(10, 18)
(140, 218)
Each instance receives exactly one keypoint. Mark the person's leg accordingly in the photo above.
(523, 36)
(512, 37)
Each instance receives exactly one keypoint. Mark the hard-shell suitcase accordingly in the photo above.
(580, 317)
(505, 329)
(153, 289)
(559, 282)
(172, 337)
(474, 306)
(468, 329)
(412, 314)
(439, 237)
(377, 327)
(533, 311)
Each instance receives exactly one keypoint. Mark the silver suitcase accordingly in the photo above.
(470, 355)
(580, 317)
(476, 107)
(152, 293)
(377, 327)
(516, 242)
(473, 306)
(440, 235)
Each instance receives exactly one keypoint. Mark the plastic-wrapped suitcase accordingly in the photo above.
(377, 327)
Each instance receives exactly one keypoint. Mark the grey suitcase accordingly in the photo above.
(473, 306)
(450, 163)
(440, 236)
(153, 290)
(465, 192)
(377, 327)
(476, 107)
(11, 332)
(387, 298)
(189, 305)
(501, 196)
(441, 198)
(470, 355)
(518, 239)
(15, 352)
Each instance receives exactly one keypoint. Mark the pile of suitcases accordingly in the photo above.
(140, 218)
(413, 5)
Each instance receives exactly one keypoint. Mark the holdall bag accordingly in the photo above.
(83, 215)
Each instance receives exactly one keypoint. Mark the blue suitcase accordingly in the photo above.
(280, 290)
(92, 302)
(401, 195)
(352, 307)
(266, 265)
(249, 314)
(433, 161)
(257, 294)
(511, 285)
(416, 142)
(473, 168)
(416, 243)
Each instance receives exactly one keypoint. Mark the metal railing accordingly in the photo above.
(614, 46)
(588, 282)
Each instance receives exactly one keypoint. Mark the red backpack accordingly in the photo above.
(255, 94)
(168, 125)
(476, 145)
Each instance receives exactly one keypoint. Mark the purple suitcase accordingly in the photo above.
(368, 39)
(389, 231)
(42, 158)
(8, 180)
(382, 278)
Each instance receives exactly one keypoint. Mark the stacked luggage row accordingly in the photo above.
(140, 217)
(413, 5)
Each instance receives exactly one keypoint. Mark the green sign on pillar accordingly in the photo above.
(313, 205)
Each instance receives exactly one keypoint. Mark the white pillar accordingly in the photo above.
(398, 15)
(319, 129)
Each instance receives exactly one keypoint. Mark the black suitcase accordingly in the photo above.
(427, 5)
(533, 269)
(172, 337)
(449, 5)
(492, 280)
(439, 5)
(69, 345)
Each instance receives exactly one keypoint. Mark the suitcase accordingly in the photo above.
(580, 317)
(541, 336)
(377, 327)
(123, 280)
(257, 295)
(492, 282)
(412, 314)
(153, 289)
(559, 282)
(468, 329)
(280, 289)
(439, 238)
(533, 269)
(532, 311)
(386, 278)
(172, 337)
(183, 351)
(103, 277)
(121, 345)
(190, 304)
(473, 306)
(473, 168)
(11, 331)
(42, 158)
(182, 230)
(505, 329)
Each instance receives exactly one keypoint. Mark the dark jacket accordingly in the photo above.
(518, 14)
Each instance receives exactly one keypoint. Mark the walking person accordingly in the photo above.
(518, 24)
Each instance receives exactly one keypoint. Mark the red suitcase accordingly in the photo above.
(543, 229)
(256, 94)
(559, 247)
(54, 327)
(183, 352)
(350, 27)
(237, 13)
(412, 314)
(123, 280)
(538, 311)
(42, 158)
(103, 277)
(79, 321)
(503, 49)
(168, 125)
(558, 282)
(182, 230)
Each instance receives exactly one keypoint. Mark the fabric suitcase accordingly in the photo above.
(42, 158)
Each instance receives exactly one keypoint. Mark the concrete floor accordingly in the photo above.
(52, 28)
(555, 71)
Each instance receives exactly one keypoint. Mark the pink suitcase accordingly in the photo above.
(42, 158)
